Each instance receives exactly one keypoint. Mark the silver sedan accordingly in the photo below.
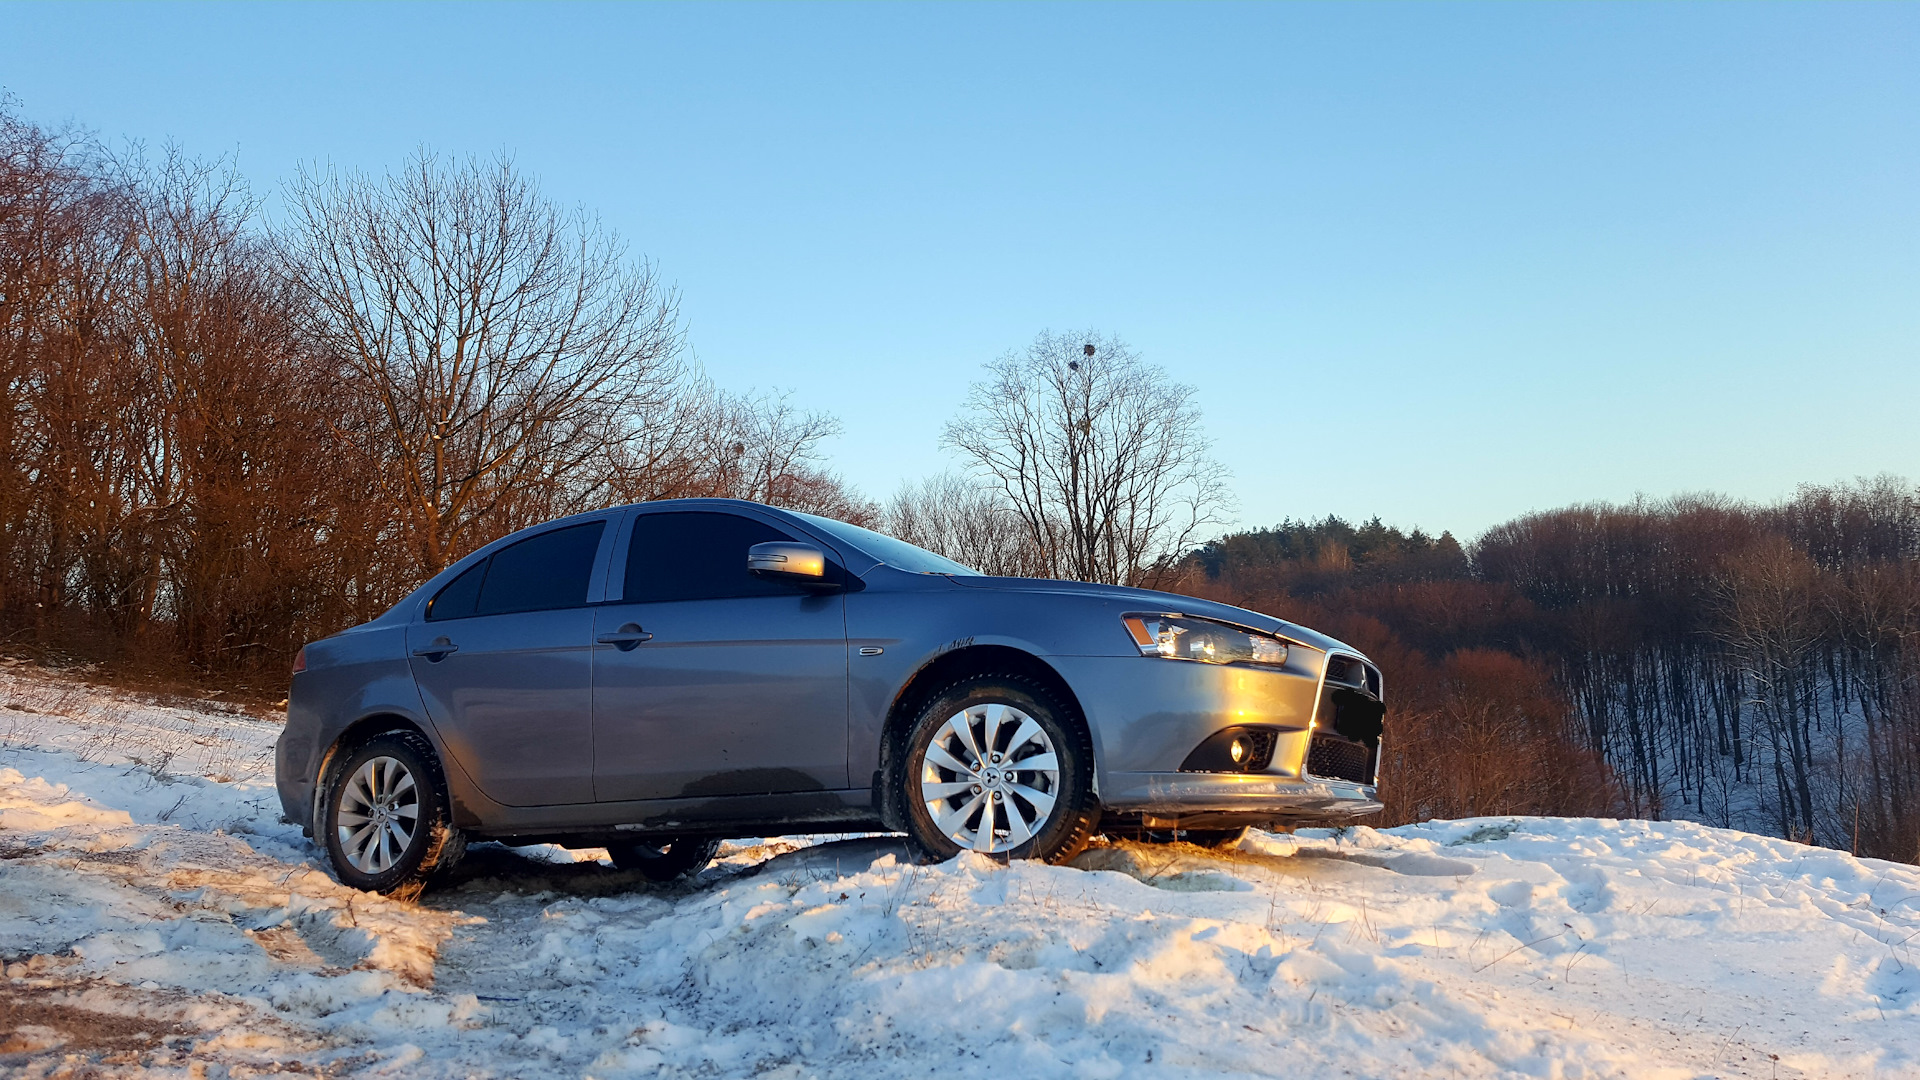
(652, 678)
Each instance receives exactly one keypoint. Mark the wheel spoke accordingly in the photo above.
(933, 791)
(983, 839)
(952, 822)
(363, 785)
(939, 756)
(1048, 762)
(962, 725)
(1028, 729)
(351, 817)
(1017, 830)
(1042, 802)
(404, 785)
(354, 841)
(990, 718)
(353, 844)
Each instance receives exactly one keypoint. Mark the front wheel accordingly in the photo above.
(679, 858)
(997, 765)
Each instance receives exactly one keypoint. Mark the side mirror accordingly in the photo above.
(797, 564)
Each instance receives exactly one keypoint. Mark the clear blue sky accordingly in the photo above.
(1445, 264)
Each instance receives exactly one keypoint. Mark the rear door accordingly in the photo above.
(709, 681)
(504, 664)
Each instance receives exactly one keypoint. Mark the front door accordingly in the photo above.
(708, 681)
(504, 662)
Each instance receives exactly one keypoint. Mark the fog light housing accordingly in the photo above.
(1234, 749)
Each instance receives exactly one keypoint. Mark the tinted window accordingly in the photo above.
(456, 601)
(541, 572)
(698, 556)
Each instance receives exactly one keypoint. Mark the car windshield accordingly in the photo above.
(895, 553)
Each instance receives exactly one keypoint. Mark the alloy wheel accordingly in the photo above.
(379, 814)
(990, 777)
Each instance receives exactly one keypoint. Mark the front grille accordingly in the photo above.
(1348, 671)
(1333, 758)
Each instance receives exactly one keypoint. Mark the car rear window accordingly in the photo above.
(539, 573)
(456, 601)
(696, 556)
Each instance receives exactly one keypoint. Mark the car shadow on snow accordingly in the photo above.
(499, 869)
(493, 869)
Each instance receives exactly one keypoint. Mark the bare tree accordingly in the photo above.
(1101, 456)
(507, 343)
(66, 275)
(704, 442)
(1768, 601)
(967, 522)
(240, 480)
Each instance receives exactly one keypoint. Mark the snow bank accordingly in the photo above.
(159, 920)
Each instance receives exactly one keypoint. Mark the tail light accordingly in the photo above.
(300, 660)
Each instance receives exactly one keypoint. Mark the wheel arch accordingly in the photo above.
(943, 671)
(358, 734)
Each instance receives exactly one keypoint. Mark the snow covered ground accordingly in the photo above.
(156, 919)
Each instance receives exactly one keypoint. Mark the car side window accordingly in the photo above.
(457, 600)
(539, 573)
(697, 555)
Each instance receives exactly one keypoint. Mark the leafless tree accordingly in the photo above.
(704, 442)
(66, 277)
(1102, 456)
(507, 342)
(967, 522)
(1769, 608)
(239, 489)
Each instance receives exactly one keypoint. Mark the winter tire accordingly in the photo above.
(996, 765)
(679, 858)
(385, 823)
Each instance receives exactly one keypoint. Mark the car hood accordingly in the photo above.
(1172, 603)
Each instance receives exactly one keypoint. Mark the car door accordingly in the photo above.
(709, 681)
(504, 664)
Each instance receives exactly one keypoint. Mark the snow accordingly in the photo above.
(157, 919)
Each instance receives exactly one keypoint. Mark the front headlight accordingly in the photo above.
(1184, 637)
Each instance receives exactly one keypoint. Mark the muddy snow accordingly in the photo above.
(158, 919)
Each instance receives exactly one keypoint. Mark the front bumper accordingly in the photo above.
(1147, 715)
(1203, 800)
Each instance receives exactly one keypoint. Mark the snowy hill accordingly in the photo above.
(156, 919)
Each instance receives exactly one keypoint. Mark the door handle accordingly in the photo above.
(438, 651)
(626, 639)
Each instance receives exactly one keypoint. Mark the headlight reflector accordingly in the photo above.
(1184, 637)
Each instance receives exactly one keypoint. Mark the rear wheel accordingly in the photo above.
(996, 765)
(672, 860)
(385, 821)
